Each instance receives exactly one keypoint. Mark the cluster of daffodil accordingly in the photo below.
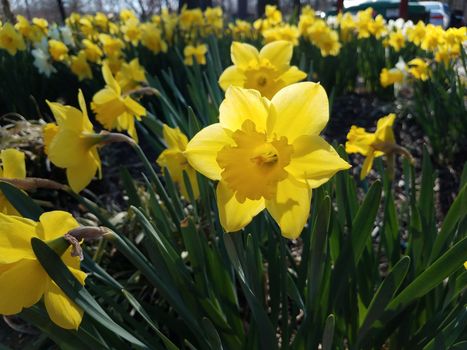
(435, 45)
(264, 153)
(95, 39)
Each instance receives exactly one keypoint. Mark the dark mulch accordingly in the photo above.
(364, 110)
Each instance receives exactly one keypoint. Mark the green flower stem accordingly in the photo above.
(155, 179)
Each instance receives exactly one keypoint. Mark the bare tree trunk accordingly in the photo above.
(28, 10)
(297, 6)
(205, 4)
(191, 4)
(61, 9)
(404, 9)
(242, 9)
(7, 11)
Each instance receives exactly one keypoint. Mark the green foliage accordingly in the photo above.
(254, 289)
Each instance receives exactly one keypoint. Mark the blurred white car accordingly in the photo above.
(439, 13)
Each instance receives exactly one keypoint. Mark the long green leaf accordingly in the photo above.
(55, 268)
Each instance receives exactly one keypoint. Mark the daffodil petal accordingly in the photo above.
(15, 238)
(384, 132)
(300, 109)
(80, 175)
(87, 125)
(240, 105)
(73, 263)
(234, 215)
(134, 107)
(174, 138)
(6, 207)
(314, 161)
(49, 131)
(21, 286)
(14, 166)
(279, 53)
(104, 96)
(67, 117)
(242, 54)
(292, 75)
(54, 224)
(201, 151)
(61, 309)
(231, 76)
(109, 79)
(291, 207)
(367, 165)
(67, 149)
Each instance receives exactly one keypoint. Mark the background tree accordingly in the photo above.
(7, 11)
(242, 9)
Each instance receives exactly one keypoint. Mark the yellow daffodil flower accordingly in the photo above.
(364, 23)
(27, 29)
(195, 51)
(58, 50)
(126, 15)
(273, 14)
(347, 26)
(241, 30)
(416, 33)
(92, 51)
(112, 46)
(396, 40)
(434, 36)
(131, 75)
(13, 166)
(80, 66)
(114, 110)
(267, 154)
(41, 23)
(190, 18)
(285, 32)
(115, 63)
(378, 27)
(419, 69)
(23, 281)
(214, 19)
(87, 28)
(267, 71)
(72, 144)
(372, 145)
(151, 38)
(175, 161)
(131, 31)
(389, 77)
(11, 40)
(305, 22)
(101, 20)
(325, 38)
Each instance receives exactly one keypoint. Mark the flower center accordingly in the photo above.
(266, 154)
(254, 165)
(261, 80)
